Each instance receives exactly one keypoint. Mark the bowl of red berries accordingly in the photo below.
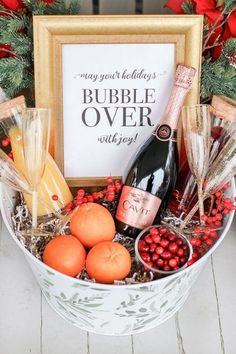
(162, 251)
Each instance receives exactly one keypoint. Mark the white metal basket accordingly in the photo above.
(111, 309)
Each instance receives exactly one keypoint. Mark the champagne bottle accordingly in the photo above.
(152, 175)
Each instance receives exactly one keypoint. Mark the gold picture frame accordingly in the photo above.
(51, 33)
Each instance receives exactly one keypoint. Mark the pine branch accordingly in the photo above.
(12, 24)
(14, 75)
(188, 7)
(35, 7)
(219, 78)
(74, 7)
(230, 5)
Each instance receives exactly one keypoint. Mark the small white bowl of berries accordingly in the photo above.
(162, 251)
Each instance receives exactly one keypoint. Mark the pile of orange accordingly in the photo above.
(93, 227)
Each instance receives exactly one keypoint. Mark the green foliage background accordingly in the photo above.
(17, 71)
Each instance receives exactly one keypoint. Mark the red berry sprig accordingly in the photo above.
(163, 250)
(204, 237)
(107, 195)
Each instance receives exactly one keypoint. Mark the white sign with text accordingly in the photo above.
(113, 97)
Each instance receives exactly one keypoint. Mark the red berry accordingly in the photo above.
(154, 231)
(100, 195)
(207, 231)
(180, 252)
(195, 255)
(148, 239)
(85, 200)
(190, 262)
(172, 237)
(198, 242)
(54, 197)
(230, 206)
(95, 195)
(227, 201)
(110, 198)
(226, 186)
(166, 268)
(209, 219)
(109, 179)
(90, 198)
(141, 243)
(164, 242)
(146, 257)
(160, 262)
(156, 238)
(10, 154)
(80, 193)
(218, 223)
(5, 142)
(162, 230)
(166, 255)
(213, 234)
(218, 194)
(218, 202)
(155, 257)
(179, 241)
(219, 216)
(225, 211)
(199, 251)
(204, 217)
(159, 250)
(152, 247)
(173, 247)
(209, 241)
(204, 237)
(193, 240)
(78, 202)
(111, 188)
(198, 230)
(118, 187)
(214, 211)
(173, 263)
(142, 246)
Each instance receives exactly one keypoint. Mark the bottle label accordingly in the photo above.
(164, 132)
(137, 208)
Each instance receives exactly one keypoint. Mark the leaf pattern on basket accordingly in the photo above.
(115, 310)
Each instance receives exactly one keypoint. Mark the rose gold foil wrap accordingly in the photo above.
(6, 107)
(184, 76)
(224, 107)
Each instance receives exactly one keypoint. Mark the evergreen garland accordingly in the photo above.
(16, 34)
(219, 77)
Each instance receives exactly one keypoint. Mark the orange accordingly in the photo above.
(65, 254)
(92, 223)
(108, 261)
